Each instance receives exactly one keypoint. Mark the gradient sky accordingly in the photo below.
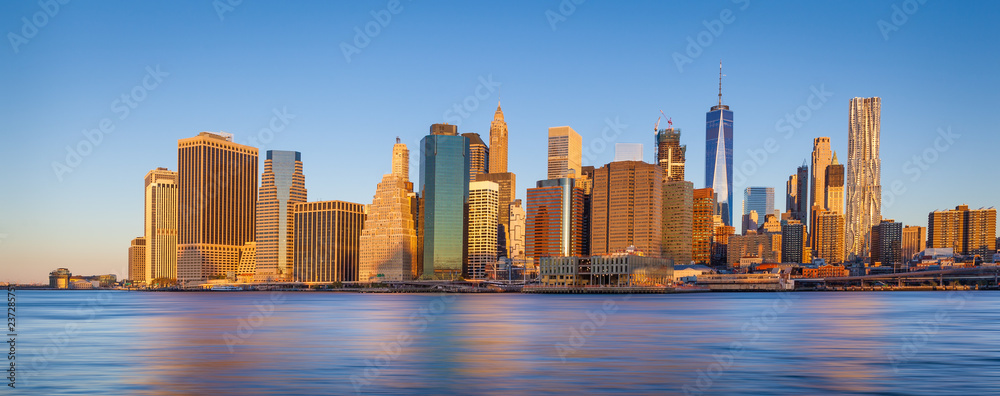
(600, 61)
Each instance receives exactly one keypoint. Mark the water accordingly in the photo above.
(340, 343)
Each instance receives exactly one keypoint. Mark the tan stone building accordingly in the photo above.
(389, 247)
(137, 260)
(703, 225)
(678, 220)
(160, 227)
(565, 153)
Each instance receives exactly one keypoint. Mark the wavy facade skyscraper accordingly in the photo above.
(864, 172)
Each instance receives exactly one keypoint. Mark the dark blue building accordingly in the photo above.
(719, 158)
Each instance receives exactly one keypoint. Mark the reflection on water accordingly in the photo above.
(93, 342)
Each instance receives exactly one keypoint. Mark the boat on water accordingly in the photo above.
(226, 288)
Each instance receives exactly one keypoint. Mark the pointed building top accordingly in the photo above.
(835, 162)
(498, 115)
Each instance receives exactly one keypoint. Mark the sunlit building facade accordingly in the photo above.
(719, 158)
(554, 223)
(217, 196)
(137, 260)
(482, 243)
(565, 153)
(444, 196)
(702, 228)
(627, 208)
(678, 220)
(160, 225)
(389, 245)
(283, 185)
(864, 172)
(327, 241)
(670, 154)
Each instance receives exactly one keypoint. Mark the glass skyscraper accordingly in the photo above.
(444, 197)
(719, 158)
(760, 199)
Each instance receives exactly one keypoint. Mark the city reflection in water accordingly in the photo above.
(338, 343)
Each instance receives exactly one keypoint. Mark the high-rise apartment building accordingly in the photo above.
(479, 155)
(797, 195)
(327, 241)
(498, 143)
(217, 199)
(160, 227)
(565, 153)
(628, 152)
(554, 224)
(914, 241)
(887, 243)
(967, 231)
(720, 245)
(678, 219)
(282, 186)
(388, 246)
(822, 156)
(702, 228)
(829, 238)
(444, 199)
(137, 261)
(670, 154)
(484, 197)
(719, 156)
(793, 241)
(834, 190)
(627, 206)
(864, 170)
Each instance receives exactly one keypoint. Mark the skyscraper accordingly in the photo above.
(565, 152)
(498, 143)
(444, 197)
(835, 186)
(508, 187)
(137, 261)
(517, 229)
(719, 155)
(821, 157)
(554, 224)
(670, 154)
(967, 231)
(627, 208)
(797, 192)
(160, 225)
(217, 197)
(792, 241)
(282, 185)
(678, 218)
(482, 244)
(327, 241)
(628, 151)
(702, 228)
(829, 244)
(388, 249)
(914, 241)
(479, 155)
(864, 169)
(887, 241)
(760, 199)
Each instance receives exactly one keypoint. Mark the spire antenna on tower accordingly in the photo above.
(720, 82)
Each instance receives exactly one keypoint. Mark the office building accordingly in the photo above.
(863, 181)
(759, 199)
(444, 199)
(626, 210)
(764, 247)
(914, 241)
(246, 271)
(388, 246)
(678, 219)
(137, 260)
(482, 243)
(822, 157)
(160, 228)
(282, 186)
(834, 180)
(628, 152)
(565, 153)
(508, 188)
(479, 155)
(720, 245)
(518, 219)
(217, 199)
(554, 224)
(750, 222)
(327, 241)
(498, 143)
(797, 195)
(670, 154)
(702, 228)
(719, 156)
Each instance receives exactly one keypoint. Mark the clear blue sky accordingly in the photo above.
(603, 61)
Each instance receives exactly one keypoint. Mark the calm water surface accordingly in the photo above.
(110, 342)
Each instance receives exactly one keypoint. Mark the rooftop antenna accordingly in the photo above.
(720, 82)
(397, 139)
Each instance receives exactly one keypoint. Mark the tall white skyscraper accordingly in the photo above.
(864, 189)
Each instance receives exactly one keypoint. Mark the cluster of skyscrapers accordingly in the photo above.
(212, 220)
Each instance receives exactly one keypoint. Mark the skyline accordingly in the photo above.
(93, 210)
